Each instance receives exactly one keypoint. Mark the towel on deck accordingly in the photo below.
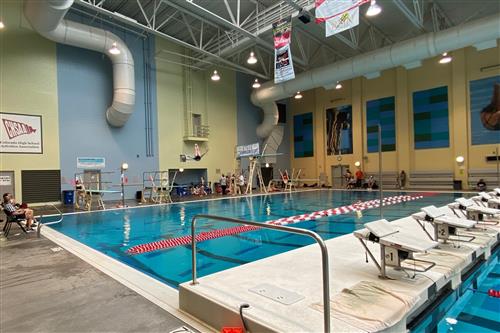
(447, 263)
(369, 306)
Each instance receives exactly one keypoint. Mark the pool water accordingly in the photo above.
(469, 309)
(113, 232)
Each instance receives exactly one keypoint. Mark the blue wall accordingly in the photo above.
(249, 117)
(85, 84)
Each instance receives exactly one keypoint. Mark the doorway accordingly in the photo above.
(338, 171)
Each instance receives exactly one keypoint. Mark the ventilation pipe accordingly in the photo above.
(399, 54)
(46, 17)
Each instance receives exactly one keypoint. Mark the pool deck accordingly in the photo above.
(44, 288)
(217, 297)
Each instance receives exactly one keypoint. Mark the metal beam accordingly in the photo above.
(123, 19)
(410, 15)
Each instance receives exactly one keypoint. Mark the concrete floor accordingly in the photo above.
(42, 290)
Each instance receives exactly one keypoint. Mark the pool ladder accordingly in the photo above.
(299, 231)
(40, 224)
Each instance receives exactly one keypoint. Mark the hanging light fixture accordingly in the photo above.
(446, 58)
(114, 49)
(298, 95)
(256, 84)
(215, 76)
(338, 86)
(252, 59)
(374, 9)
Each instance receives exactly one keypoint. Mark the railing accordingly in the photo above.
(40, 224)
(305, 232)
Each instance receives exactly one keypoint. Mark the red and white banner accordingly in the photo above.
(20, 134)
(338, 15)
(283, 63)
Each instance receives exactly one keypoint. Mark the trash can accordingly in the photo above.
(138, 196)
(68, 197)
(457, 185)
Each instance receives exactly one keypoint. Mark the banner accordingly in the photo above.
(248, 150)
(90, 163)
(343, 22)
(20, 134)
(338, 15)
(283, 64)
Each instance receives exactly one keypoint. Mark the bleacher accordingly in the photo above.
(489, 176)
(389, 179)
(431, 180)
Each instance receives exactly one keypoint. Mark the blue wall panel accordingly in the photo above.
(430, 118)
(85, 84)
(381, 111)
(303, 135)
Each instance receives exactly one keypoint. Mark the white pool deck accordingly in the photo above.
(217, 297)
(214, 302)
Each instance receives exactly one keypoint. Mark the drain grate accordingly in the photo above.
(277, 294)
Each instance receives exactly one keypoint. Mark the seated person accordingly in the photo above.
(9, 205)
(351, 183)
(481, 185)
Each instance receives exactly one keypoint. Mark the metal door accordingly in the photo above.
(338, 171)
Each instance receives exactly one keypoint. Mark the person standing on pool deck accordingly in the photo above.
(223, 184)
(402, 179)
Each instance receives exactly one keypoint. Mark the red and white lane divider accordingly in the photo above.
(207, 235)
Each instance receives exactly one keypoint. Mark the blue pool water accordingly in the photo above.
(113, 232)
(471, 306)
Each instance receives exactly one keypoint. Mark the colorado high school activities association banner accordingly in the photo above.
(20, 134)
(283, 64)
(338, 15)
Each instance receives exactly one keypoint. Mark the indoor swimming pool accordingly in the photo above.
(469, 309)
(113, 232)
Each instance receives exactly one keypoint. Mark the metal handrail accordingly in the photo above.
(40, 224)
(305, 232)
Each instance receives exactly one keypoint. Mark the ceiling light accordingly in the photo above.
(338, 86)
(215, 76)
(374, 9)
(181, 169)
(114, 49)
(357, 164)
(298, 95)
(256, 84)
(267, 165)
(2, 25)
(460, 159)
(252, 59)
(445, 58)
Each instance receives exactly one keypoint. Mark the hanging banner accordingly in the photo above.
(339, 15)
(90, 162)
(20, 134)
(248, 150)
(339, 23)
(283, 64)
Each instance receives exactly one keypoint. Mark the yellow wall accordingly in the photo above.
(217, 100)
(28, 85)
(401, 83)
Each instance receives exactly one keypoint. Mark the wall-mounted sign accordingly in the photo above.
(248, 150)
(20, 134)
(5, 180)
(90, 162)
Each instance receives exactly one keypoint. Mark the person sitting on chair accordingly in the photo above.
(481, 185)
(9, 205)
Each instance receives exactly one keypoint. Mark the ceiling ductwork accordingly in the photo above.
(406, 53)
(47, 18)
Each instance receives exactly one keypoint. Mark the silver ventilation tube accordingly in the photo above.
(46, 17)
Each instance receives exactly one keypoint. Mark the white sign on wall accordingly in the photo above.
(20, 134)
(90, 162)
(5, 180)
(248, 150)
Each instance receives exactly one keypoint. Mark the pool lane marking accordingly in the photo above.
(208, 235)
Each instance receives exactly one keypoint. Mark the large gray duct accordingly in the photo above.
(399, 54)
(46, 17)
